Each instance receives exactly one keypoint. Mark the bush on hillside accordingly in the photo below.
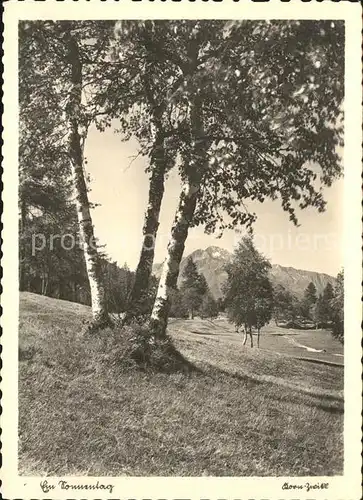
(150, 353)
(122, 349)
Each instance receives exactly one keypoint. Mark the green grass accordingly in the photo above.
(85, 408)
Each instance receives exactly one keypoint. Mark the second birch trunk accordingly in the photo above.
(193, 174)
(170, 272)
(140, 289)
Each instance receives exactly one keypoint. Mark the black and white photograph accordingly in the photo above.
(181, 262)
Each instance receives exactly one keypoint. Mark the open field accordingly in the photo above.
(318, 345)
(84, 409)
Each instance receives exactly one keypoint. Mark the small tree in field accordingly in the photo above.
(178, 308)
(209, 307)
(193, 288)
(248, 291)
(309, 301)
(283, 304)
(221, 305)
(323, 308)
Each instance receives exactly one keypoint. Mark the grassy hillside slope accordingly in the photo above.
(86, 409)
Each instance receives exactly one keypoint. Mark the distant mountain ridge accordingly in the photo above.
(212, 260)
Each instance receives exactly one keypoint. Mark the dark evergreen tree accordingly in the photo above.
(209, 307)
(308, 302)
(178, 308)
(283, 309)
(221, 305)
(338, 308)
(323, 308)
(193, 287)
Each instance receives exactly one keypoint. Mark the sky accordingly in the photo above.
(120, 185)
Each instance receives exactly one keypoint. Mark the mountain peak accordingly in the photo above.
(217, 252)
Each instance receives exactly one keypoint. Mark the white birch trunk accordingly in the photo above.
(75, 150)
(93, 264)
(141, 285)
(194, 172)
(170, 271)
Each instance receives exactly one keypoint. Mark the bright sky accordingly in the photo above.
(121, 187)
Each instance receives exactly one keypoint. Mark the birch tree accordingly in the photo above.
(59, 52)
(264, 124)
(247, 290)
(147, 111)
(77, 136)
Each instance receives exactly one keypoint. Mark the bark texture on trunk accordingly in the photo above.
(170, 272)
(75, 150)
(158, 165)
(193, 175)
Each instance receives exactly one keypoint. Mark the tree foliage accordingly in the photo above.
(193, 288)
(338, 308)
(266, 100)
(209, 307)
(248, 291)
(275, 120)
(324, 307)
(254, 92)
(307, 305)
(284, 308)
(178, 308)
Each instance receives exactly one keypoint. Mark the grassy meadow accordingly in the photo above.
(86, 408)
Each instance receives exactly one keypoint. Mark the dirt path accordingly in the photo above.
(310, 349)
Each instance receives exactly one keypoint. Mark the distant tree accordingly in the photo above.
(221, 305)
(319, 311)
(308, 302)
(283, 308)
(263, 306)
(193, 287)
(338, 308)
(191, 277)
(328, 292)
(178, 307)
(118, 282)
(209, 307)
(310, 293)
(191, 299)
(248, 291)
(328, 295)
(323, 313)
